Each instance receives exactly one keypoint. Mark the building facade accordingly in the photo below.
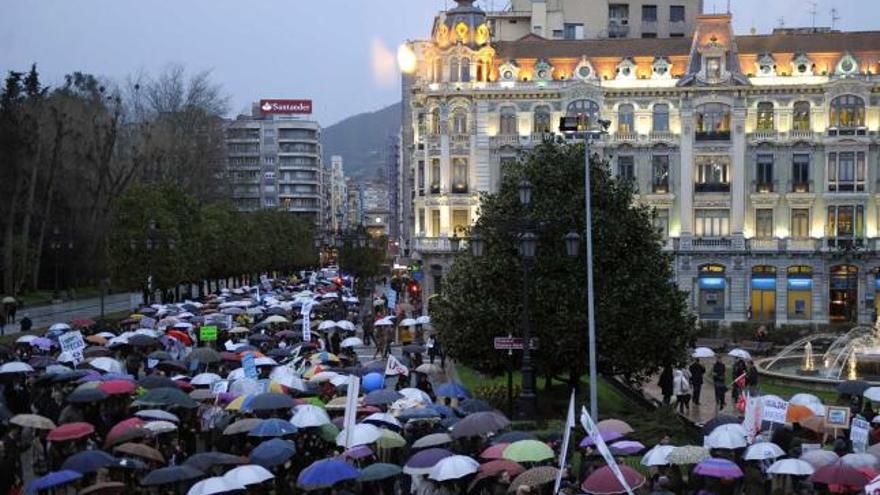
(355, 204)
(274, 161)
(337, 195)
(759, 154)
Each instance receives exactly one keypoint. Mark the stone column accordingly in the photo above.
(686, 177)
(738, 173)
(781, 295)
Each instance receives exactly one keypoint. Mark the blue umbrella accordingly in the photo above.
(273, 427)
(326, 473)
(273, 452)
(206, 460)
(85, 395)
(444, 410)
(173, 474)
(88, 461)
(269, 401)
(453, 389)
(53, 479)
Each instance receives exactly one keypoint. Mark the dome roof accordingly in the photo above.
(465, 23)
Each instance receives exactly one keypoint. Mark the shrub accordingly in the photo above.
(496, 395)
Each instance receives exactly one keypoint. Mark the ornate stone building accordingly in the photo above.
(759, 153)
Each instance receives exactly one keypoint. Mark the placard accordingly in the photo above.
(774, 410)
(220, 387)
(249, 365)
(837, 417)
(858, 434)
(208, 333)
(73, 344)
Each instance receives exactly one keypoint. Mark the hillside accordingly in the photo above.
(361, 141)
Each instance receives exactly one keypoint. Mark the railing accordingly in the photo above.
(801, 245)
(436, 244)
(847, 131)
(459, 189)
(435, 188)
(662, 136)
(800, 187)
(711, 187)
(765, 245)
(711, 243)
(432, 139)
(844, 242)
(801, 135)
(461, 139)
(764, 135)
(504, 140)
(616, 30)
(626, 137)
(764, 187)
(848, 186)
(712, 136)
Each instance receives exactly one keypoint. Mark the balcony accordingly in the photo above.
(504, 140)
(460, 188)
(847, 187)
(712, 244)
(616, 29)
(807, 135)
(764, 187)
(460, 140)
(436, 245)
(847, 131)
(800, 187)
(712, 136)
(660, 187)
(844, 242)
(712, 187)
(764, 135)
(626, 137)
(801, 245)
(664, 136)
(765, 245)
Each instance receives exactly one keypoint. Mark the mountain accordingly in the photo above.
(362, 141)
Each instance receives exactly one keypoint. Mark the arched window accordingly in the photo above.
(765, 116)
(465, 70)
(509, 125)
(435, 121)
(661, 117)
(586, 111)
(438, 70)
(542, 120)
(482, 70)
(847, 112)
(801, 116)
(459, 122)
(625, 119)
(713, 121)
(453, 69)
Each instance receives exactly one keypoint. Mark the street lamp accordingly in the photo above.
(477, 245)
(525, 192)
(572, 244)
(528, 245)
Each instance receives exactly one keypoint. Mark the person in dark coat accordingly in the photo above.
(697, 371)
(719, 381)
(665, 383)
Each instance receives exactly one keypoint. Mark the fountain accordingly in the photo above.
(853, 355)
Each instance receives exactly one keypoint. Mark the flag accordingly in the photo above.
(740, 381)
(566, 438)
(351, 404)
(741, 403)
(395, 367)
(593, 431)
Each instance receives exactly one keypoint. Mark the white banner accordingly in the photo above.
(306, 313)
(73, 344)
(774, 410)
(593, 431)
(566, 438)
(858, 434)
(351, 404)
(752, 420)
(395, 367)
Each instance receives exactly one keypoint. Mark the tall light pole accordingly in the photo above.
(577, 127)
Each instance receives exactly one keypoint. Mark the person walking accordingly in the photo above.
(719, 380)
(752, 379)
(681, 387)
(666, 384)
(739, 370)
(697, 371)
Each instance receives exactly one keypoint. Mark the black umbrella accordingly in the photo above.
(271, 400)
(67, 376)
(172, 365)
(382, 397)
(259, 337)
(273, 452)
(166, 396)
(204, 355)
(278, 353)
(192, 308)
(852, 387)
(206, 460)
(721, 419)
(84, 395)
(513, 436)
(276, 310)
(478, 424)
(169, 475)
(413, 349)
(140, 340)
(470, 406)
(156, 381)
(93, 351)
(89, 461)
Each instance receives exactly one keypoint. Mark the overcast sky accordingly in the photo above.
(339, 53)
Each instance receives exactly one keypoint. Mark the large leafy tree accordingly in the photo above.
(642, 319)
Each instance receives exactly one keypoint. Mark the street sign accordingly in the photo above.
(512, 343)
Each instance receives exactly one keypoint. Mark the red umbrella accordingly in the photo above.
(117, 387)
(181, 336)
(121, 427)
(82, 322)
(838, 473)
(70, 431)
(495, 451)
(603, 481)
(495, 468)
(182, 385)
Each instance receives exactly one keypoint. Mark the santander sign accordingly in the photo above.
(286, 106)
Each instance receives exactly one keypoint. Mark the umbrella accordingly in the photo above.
(721, 419)
(794, 467)
(205, 379)
(423, 320)
(276, 319)
(495, 451)
(52, 480)
(390, 440)
(804, 399)
(739, 353)
(873, 486)
(617, 425)
(140, 450)
(872, 394)
(797, 414)
(470, 406)
(88, 461)
(122, 428)
(604, 481)
(852, 387)
(159, 427)
(607, 436)
(432, 440)
(156, 381)
(242, 426)
(351, 342)
(308, 415)
(271, 400)
(169, 475)
(117, 387)
(16, 367)
(453, 467)
(217, 484)
(358, 452)
(106, 364)
(32, 421)
(657, 456)
(452, 389)
(362, 434)
(512, 436)
(104, 486)
(533, 477)
(70, 431)
(250, 474)
(422, 462)
(379, 471)
(206, 460)
(627, 447)
(428, 368)
(715, 467)
(381, 397)
(527, 451)
(498, 466)
(85, 395)
(382, 419)
(415, 394)
(703, 352)
(167, 397)
(860, 460)
(688, 454)
(273, 427)
(204, 355)
(157, 414)
(762, 451)
(326, 473)
(838, 473)
(479, 423)
(818, 458)
(727, 437)
(273, 452)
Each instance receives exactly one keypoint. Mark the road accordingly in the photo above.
(44, 316)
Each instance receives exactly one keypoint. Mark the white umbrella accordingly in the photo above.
(423, 320)
(362, 434)
(205, 379)
(217, 484)
(245, 386)
(703, 352)
(339, 380)
(762, 451)
(160, 426)
(351, 342)
(115, 341)
(408, 322)
(15, 367)
(276, 319)
(25, 339)
(157, 414)
(236, 374)
(324, 376)
(309, 416)
(327, 325)
(345, 325)
(54, 369)
(106, 335)
(873, 486)
(803, 399)
(657, 455)
(59, 327)
(860, 460)
(149, 332)
(731, 436)
(872, 394)
(285, 376)
(794, 467)
(383, 418)
(415, 394)
(265, 361)
(818, 458)
(740, 353)
(453, 467)
(250, 474)
(384, 322)
(818, 409)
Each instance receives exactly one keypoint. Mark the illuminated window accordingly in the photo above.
(459, 175)
(435, 176)
(847, 112)
(625, 119)
(846, 171)
(800, 172)
(713, 68)
(800, 222)
(764, 223)
(660, 174)
(586, 111)
(465, 70)
(542, 120)
(801, 116)
(435, 121)
(713, 122)
(764, 173)
(438, 70)
(765, 116)
(845, 223)
(712, 223)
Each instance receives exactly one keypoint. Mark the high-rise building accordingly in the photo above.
(355, 204)
(758, 153)
(338, 197)
(274, 159)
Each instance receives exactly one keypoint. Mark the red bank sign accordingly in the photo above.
(286, 106)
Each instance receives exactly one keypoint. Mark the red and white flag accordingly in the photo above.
(395, 367)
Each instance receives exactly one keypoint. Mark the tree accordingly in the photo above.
(642, 319)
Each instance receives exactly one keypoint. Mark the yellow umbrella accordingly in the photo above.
(236, 404)
(136, 316)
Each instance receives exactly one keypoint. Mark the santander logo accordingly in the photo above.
(286, 106)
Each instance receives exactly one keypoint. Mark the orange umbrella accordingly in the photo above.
(96, 339)
(797, 413)
(140, 450)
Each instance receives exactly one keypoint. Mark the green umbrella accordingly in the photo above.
(379, 471)
(528, 451)
(390, 440)
(329, 432)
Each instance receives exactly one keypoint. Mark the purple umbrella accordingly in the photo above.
(42, 342)
(715, 467)
(607, 436)
(626, 447)
(422, 462)
(358, 452)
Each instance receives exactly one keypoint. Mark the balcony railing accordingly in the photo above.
(847, 131)
(848, 186)
(764, 187)
(801, 245)
(660, 187)
(459, 189)
(844, 242)
(504, 140)
(764, 135)
(801, 135)
(626, 137)
(617, 30)
(662, 136)
(461, 139)
(800, 187)
(436, 244)
(712, 136)
(711, 243)
(711, 187)
(764, 245)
